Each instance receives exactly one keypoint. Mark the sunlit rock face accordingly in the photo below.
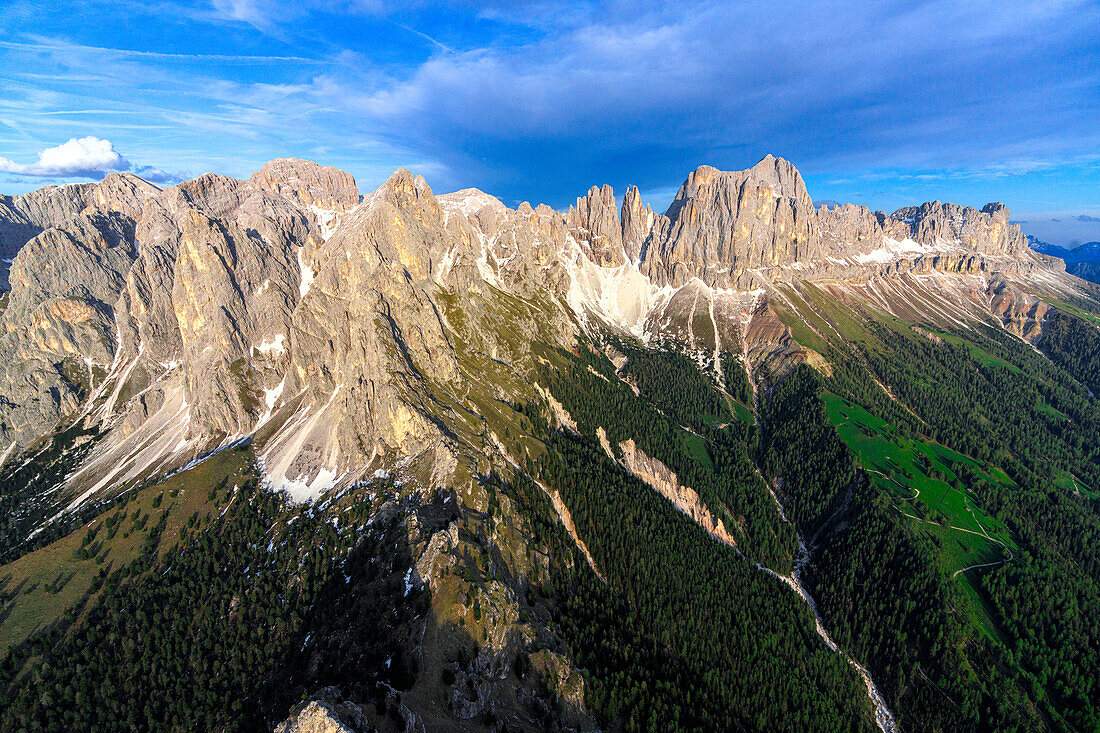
(333, 328)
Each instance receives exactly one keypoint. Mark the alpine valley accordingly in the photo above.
(279, 456)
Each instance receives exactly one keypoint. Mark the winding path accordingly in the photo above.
(970, 509)
(991, 539)
(983, 534)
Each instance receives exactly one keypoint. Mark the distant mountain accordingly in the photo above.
(1082, 261)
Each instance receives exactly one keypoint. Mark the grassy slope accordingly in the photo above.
(962, 532)
(41, 586)
(943, 511)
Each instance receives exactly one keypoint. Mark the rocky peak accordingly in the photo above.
(723, 223)
(52, 205)
(404, 189)
(308, 183)
(24, 217)
(124, 193)
(699, 179)
(637, 222)
(781, 176)
(210, 193)
(848, 225)
(997, 210)
(484, 209)
(595, 221)
(227, 306)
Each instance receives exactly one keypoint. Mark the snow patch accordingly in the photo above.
(302, 489)
(307, 427)
(327, 219)
(445, 265)
(271, 397)
(275, 345)
(621, 295)
(307, 275)
(148, 449)
(468, 201)
(893, 249)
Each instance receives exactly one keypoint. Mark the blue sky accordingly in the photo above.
(885, 103)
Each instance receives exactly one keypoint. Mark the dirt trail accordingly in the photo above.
(983, 533)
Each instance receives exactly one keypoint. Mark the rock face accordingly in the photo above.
(850, 226)
(595, 221)
(723, 223)
(667, 484)
(327, 713)
(325, 191)
(392, 337)
(316, 717)
(338, 331)
(308, 184)
(985, 231)
(23, 217)
(58, 327)
(637, 223)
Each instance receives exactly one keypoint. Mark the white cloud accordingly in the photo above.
(86, 157)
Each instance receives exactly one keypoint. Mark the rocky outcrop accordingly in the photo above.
(723, 223)
(667, 484)
(595, 221)
(366, 337)
(326, 192)
(24, 217)
(737, 229)
(58, 329)
(850, 227)
(321, 716)
(986, 231)
(637, 223)
(308, 184)
(1020, 313)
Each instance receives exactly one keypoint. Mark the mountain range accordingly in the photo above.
(1082, 260)
(278, 455)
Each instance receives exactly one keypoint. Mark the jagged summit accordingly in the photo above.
(308, 183)
(288, 304)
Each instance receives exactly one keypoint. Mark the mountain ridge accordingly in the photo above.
(1082, 261)
(515, 426)
(272, 245)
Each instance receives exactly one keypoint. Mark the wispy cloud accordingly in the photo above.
(426, 37)
(48, 45)
(540, 100)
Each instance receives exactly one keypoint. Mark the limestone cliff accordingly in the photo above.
(667, 484)
(346, 333)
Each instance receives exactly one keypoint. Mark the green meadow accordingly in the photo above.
(922, 478)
